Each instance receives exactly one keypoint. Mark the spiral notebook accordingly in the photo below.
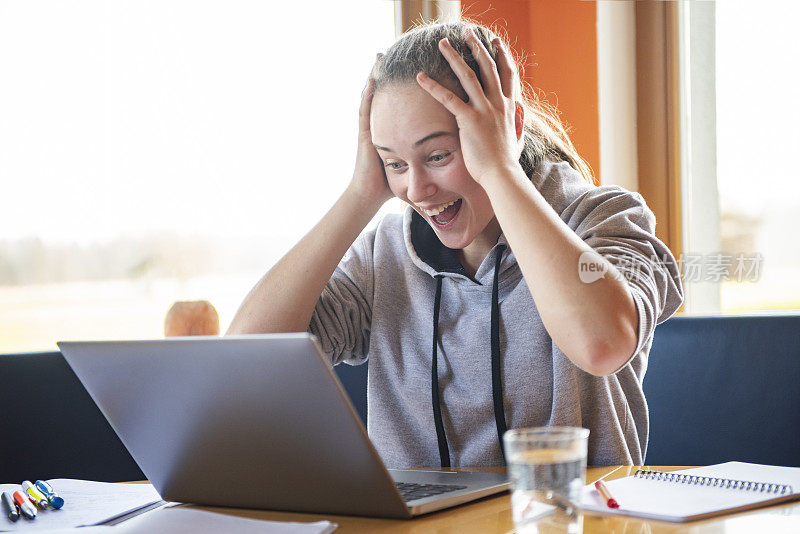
(697, 493)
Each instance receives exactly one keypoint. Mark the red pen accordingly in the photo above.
(24, 504)
(610, 501)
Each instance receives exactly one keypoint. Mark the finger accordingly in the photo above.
(364, 109)
(504, 69)
(467, 76)
(445, 96)
(489, 73)
(378, 57)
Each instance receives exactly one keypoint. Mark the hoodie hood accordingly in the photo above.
(431, 256)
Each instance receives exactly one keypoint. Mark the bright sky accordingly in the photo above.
(210, 117)
(239, 117)
(758, 113)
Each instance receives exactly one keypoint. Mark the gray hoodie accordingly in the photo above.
(382, 302)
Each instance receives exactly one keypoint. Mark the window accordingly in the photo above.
(741, 191)
(154, 152)
(757, 53)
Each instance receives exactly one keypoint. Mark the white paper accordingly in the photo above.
(180, 520)
(83, 530)
(85, 503)
(675, 501)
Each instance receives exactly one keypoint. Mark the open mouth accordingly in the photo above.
(446, 217)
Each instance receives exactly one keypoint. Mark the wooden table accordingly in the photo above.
(493, 515)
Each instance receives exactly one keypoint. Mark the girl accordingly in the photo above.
(475, 307)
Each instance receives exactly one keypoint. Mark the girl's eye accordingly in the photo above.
(436, 158)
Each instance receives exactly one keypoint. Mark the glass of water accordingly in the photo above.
(547, 469)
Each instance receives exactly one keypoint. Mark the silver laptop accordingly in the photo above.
(256, 421)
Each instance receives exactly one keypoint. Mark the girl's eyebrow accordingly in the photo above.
(426, 138)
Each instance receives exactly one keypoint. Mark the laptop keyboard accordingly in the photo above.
(412, 492)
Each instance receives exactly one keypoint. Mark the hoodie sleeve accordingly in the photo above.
(618, 225)
(343, 313)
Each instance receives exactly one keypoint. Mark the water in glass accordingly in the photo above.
(549, 476)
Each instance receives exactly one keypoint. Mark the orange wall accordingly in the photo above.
(559, 38)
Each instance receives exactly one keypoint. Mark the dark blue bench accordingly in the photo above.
(718, 388)
(51, 428)
(725, 388)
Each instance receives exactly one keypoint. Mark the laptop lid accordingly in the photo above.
(257, 421)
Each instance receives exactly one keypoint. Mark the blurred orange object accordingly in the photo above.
(191, 318)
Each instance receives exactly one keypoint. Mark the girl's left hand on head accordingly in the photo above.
(487, 128)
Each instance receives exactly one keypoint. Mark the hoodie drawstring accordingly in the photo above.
(444, 454)
(497, 384)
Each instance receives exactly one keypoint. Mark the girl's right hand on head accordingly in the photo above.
(369, 177)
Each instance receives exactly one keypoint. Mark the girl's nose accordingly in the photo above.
(420, 186)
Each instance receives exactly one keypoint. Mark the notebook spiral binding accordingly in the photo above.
(746, 485)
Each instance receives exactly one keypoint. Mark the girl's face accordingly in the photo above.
(417, 139)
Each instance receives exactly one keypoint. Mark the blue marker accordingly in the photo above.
(48, 491)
